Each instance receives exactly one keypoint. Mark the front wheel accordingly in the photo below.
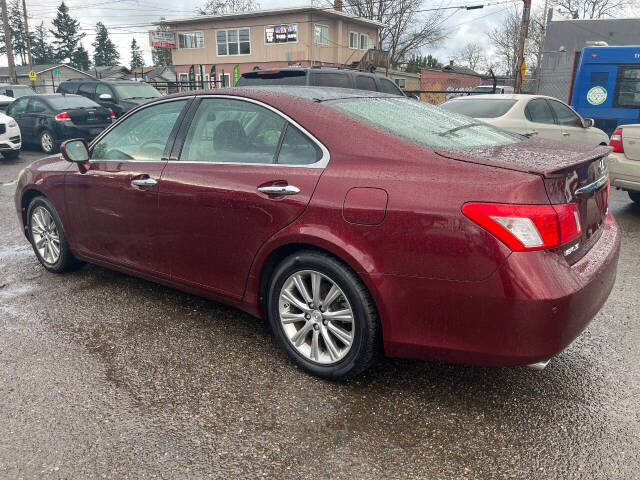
(323, 316)
(47, 142)
(48, 238)
(635, 196)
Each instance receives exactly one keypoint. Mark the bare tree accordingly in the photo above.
(593, 8)
(505, 40)
(471, 55)
(407, 28)
(216, 7)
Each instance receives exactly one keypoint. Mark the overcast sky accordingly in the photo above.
(120, 17)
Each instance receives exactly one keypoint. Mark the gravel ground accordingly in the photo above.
(108, 376)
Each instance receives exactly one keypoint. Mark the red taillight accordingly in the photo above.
(527, 227)
(616, 141)
(113, 114)
(63, 116)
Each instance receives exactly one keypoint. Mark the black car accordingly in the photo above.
(319, 77)
(48, 120)
(118, 95)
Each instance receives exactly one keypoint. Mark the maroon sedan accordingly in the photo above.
(357, 223)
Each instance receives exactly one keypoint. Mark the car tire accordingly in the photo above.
(635, 196)
(11, 154)
(48, 143)
(334, 358)
(47, 237)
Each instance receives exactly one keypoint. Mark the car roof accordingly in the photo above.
(496, 96)
(316, 69)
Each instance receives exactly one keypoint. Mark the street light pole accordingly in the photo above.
(524, 31)
(7, 42)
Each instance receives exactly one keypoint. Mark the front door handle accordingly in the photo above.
(144, 182)
(280, 190)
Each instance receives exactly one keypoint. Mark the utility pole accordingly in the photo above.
(524, 31)
(7, 42)
(26, 31)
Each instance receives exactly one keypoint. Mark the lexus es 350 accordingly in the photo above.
(357, 223)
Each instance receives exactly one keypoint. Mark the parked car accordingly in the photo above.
(10, 141)
(319, 77)
(117, 95)
(357, 223)
(538, 115)
(9, 92)
(499, 89)
(624, 162)
(47, 120)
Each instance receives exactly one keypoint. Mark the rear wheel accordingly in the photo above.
(48, 142)
(48, 238)
(11, 154)
(323, 316)
(635, 196)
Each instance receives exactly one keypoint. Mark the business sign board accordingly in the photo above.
(163, 39)
(281, 33)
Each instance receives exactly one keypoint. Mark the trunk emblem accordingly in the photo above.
(572, 249)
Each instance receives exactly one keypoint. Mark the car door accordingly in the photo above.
(114, 202)
(540, 119)
(18, 111)
(242, 172)
(35, 118)
(570, 123)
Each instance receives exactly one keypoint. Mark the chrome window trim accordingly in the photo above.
(593, 186)
(322, 163)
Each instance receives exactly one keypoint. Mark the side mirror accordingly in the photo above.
(105, 97)
(588, 122)
(75, 151)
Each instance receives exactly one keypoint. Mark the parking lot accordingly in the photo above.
(108, 376)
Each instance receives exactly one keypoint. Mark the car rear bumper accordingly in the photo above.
(624, 172)
(530, 309)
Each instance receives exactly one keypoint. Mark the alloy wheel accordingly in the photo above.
(316, 317)
(46, 142)
(45, 235)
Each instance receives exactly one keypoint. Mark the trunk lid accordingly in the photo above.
(631, 141)
(571, 174)
(89, 116)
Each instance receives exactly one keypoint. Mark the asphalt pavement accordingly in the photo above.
(107, 376)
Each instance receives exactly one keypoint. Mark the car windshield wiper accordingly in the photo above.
(461, 127)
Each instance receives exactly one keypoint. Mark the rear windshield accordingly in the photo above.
(71, 101)
(253, 79)
(480, 107)
(140, 90)
(423, 123)
(18, 91)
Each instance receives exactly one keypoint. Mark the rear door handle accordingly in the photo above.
(280, 190)
(144, 182)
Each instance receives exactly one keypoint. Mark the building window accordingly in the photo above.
(401, 82)
(225, 80)
(184, 81)
(287, 33)
(353, 40)
(321, 34)
(234, 41)
(364, 42)
(191, 40)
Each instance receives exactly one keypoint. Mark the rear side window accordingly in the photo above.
(538, 111)
(87, 89)
(480, 108)
(364, 82)
(387, 86)
(331, 80)
(297, 149)
(69, 87)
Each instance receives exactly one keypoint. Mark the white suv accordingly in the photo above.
(624, 162)
(10, 139)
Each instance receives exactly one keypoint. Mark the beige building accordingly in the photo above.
(297, 36)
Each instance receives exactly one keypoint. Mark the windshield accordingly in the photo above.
(20, 91)
(424, 124)
(64, 102)
(480, 107)
(138, 90)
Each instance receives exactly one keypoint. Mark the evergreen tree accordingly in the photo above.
(41, 51)
(80, 59)
(66, 33)
(18, 32)
(136, 55)
(161, 57)
(105, 52)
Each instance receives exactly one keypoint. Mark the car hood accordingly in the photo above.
(535, 155)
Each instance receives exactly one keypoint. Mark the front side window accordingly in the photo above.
(141, 136)
(480, 108)
(321, 34)
(538, 111)
(18, 106)
(340, 80)
(387, 86)
(423, 123)
(564, 115)
(353, 40)
(364, 42)
(363, 82)
(628, 88)
(191, 40)
(233, 131)
(87, 89)
(234, 41)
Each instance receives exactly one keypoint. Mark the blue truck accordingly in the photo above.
(606, 86)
